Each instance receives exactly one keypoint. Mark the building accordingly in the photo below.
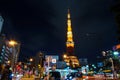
(5, 53)
(9, 53)
(1, 23)
(2, 39)
(15, 50)
(2, 49)
(69, 57)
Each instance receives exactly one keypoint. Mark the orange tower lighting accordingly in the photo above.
(70, 42)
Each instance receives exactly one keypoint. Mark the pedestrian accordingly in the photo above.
(54, 75)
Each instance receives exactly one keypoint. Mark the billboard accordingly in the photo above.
(50, 60)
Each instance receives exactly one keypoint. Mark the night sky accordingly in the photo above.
(40, 25)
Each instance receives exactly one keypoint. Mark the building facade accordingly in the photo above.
(5, 51)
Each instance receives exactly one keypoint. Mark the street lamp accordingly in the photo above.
(12, 43)
(31, 59)
(8, 62)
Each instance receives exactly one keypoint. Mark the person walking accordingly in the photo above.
(54, 75)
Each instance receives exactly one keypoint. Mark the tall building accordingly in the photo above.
(70, 42)
(5, 51)
(70, 58)
(9, 53)
(2, 43)
(1, 23)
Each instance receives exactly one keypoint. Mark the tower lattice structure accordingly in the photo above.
(70, 42)
(70, 58)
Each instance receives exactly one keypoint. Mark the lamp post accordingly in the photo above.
(12, 43)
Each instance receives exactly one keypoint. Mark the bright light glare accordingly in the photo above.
(116, 53)
(31, 59)
(65, 56)
(12, 42)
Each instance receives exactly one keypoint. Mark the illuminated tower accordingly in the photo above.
(70, 42)
(69, 57)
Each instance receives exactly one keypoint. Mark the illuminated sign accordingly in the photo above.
(53, 60)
